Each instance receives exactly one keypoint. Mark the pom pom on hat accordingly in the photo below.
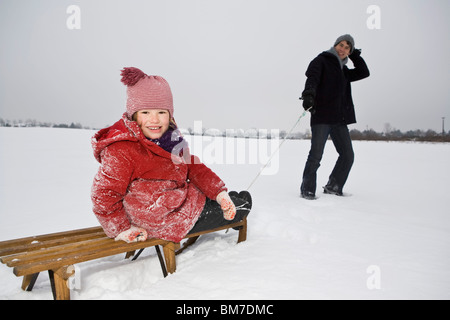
(146, 92)
(130, 76)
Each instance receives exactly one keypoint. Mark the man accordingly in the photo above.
(328, 97)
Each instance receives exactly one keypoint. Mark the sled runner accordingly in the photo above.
(58, 252)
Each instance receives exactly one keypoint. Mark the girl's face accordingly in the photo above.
(343, 49)
(153, 122)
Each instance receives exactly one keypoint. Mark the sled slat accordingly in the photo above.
(50, 236)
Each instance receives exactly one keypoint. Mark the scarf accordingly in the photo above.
(342, 62)
(171, 139)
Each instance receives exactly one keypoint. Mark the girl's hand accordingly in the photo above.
(228, 208)
(134, 234)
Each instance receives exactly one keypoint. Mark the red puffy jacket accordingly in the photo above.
(140, 183)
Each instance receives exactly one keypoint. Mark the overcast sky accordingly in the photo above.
(230, 63)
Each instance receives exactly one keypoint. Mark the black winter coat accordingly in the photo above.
(332, 90)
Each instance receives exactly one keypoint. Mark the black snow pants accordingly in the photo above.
(212, 214)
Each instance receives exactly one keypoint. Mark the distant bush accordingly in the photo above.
(397, 135)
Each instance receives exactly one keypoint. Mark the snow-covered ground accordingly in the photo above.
(389, 238)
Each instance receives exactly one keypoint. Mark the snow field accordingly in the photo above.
(389, 238)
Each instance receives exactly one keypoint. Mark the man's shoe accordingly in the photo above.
(332, 190)
(308, 195)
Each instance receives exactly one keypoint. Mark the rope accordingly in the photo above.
(279, 146)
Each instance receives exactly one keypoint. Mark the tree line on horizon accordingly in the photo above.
(389, 133)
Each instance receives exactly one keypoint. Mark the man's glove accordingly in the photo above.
(228, 207)
(308, 100)
(134, 234)
(355, 54)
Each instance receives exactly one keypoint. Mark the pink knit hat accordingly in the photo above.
(146, 92)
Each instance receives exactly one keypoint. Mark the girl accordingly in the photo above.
(148, 184)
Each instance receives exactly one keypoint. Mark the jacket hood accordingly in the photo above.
(122, 130)
(127, 130)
